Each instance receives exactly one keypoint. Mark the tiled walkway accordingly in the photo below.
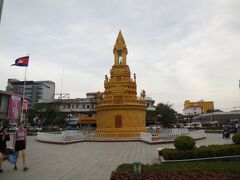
(86, 160)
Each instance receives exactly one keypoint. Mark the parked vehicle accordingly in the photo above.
(179, 125)
(196, 124)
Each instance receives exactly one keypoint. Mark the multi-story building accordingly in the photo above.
(34, 90)
(206, 105)
(79, 107)
(4, 105)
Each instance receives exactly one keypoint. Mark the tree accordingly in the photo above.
(47, 113)
(150, 117)
(167, 114)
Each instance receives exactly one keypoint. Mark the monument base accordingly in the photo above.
(117, 133)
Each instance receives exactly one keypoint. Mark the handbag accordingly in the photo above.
(12, 158)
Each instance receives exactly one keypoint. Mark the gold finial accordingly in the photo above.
(120, 43)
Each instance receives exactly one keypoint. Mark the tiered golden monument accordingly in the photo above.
(119, 113)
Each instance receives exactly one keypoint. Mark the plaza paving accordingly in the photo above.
(86, 160)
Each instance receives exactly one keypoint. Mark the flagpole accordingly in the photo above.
(24, 84)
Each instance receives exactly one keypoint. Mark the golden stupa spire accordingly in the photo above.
(120, 50)
(120, 43)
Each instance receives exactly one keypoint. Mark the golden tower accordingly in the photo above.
(120, 114)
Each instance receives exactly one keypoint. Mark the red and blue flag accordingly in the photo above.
(22, 61)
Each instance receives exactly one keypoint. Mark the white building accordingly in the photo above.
(75, 108)
(193, 110)
(150, 104)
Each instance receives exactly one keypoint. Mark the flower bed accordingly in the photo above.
(174, 175)
(192, 170)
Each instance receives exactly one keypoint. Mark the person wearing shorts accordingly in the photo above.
(19, 144)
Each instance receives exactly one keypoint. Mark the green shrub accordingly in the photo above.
(184, 143)
(236, 138)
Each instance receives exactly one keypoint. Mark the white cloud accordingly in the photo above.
(179, 50)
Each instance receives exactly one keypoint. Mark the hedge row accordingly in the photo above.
(217, 167)
(201, 152)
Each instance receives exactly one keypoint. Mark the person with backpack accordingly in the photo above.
(19, 145)
(4, 137)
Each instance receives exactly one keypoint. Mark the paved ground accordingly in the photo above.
(86, 160)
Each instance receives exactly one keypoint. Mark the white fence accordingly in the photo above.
(171, 134)
(65, 136)
(164, 135)
(50, 137)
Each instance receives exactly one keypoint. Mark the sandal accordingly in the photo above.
(15, 168)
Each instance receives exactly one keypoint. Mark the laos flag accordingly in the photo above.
(22, 61)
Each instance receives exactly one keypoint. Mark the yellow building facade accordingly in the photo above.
(206, 105)
(120, 114)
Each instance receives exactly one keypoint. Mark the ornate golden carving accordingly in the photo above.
(143, 94)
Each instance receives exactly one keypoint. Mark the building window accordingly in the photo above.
(87, 106)
(119, 58)
(118, 121)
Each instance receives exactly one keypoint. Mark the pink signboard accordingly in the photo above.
(14, 108)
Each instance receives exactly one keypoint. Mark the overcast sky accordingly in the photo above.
(182, 49)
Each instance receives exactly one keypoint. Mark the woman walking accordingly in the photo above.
(4, 137)
(19, 144)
